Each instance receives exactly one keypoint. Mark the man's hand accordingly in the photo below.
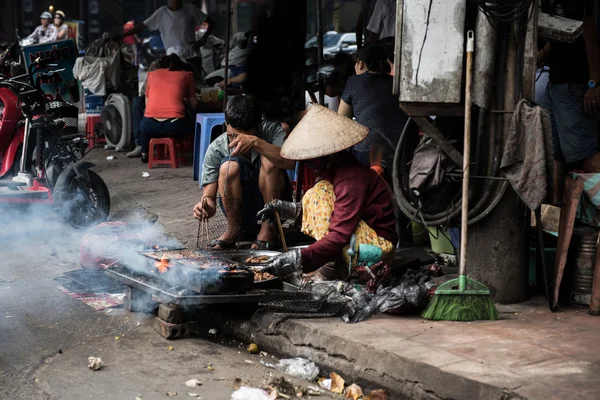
(591, 101)
(242, 144)
(221, 84)
(285, 264)
(287, 210)
(205, 209)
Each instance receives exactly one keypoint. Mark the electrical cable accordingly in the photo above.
(503, 11)
(490, 193)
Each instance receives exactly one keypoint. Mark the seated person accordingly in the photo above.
(348, 199)
(167, 91)
(369, 98)
(244, 164)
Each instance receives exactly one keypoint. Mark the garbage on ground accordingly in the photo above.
(283, 387)
(248, 393)
(171, 394)
(410, 293)
(253, 348)
(145, 174)
(313, 391)
(193, 395)
(212, 332)
(325, 383)
(377, 395)
(193, 383)
(249, 361)
(237, 383)
(110, 158)
(170, 348)
(298, 367)
(337, 383)
(95, 363)
(354, 392)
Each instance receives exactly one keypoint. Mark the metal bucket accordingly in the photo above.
(581, 265)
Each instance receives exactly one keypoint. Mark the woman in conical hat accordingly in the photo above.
(348, 199)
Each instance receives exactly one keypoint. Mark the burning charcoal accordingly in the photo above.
(95, 363)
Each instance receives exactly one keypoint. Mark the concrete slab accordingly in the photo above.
(530, 353)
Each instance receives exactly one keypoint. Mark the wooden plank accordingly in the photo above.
(558, 28)
(398, 46)
(440, 140)
(529, 56)
(432, 51)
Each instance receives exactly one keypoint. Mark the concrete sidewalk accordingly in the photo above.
(530, 353)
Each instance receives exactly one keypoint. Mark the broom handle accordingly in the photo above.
(464, 220)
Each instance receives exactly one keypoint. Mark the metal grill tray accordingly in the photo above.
(170, 293)
(302, 302)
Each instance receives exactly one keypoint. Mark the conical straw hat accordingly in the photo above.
(320, 133)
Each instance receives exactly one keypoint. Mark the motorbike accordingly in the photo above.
(238, 55)
(41, 151)
(152, 48)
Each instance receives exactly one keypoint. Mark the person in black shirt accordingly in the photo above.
(573, 95)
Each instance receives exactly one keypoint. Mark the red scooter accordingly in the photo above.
(40, 150)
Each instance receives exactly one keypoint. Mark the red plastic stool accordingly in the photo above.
(168, 152)
(90, 128)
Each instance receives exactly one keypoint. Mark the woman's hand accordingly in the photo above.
(286, 209)
(205, 209)
(285, 264)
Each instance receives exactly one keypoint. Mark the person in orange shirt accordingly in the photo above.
(168, 89)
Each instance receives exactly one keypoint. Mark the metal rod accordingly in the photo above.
(491, 178)
(227, 39)
(320, 52)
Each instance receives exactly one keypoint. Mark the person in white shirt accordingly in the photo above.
(59, 23)
(46, 32)
(383, 20)
(177, 23)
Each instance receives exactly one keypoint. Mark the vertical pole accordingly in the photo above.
(464, 223)
(320, 51)
(227, 39)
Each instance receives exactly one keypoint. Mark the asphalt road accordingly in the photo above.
(46, 337)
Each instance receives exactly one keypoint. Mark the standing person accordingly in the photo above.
(46, 32)
(61, 28)
(383, 21)
(177, 23)
(131, 41)
(168, 88)
(573, 95)
(368, 97)
(366, 11)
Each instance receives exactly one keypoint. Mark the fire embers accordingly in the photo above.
(163, 265)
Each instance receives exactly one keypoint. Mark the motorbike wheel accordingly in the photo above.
(75, 207)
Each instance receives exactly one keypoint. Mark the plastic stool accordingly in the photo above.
(169, 152)
(90, 123)
(204, 126)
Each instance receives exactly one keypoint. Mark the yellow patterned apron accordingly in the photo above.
(317, 206)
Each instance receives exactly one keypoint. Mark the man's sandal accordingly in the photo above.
(223, 244)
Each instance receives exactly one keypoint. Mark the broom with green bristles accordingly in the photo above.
(463, 299)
